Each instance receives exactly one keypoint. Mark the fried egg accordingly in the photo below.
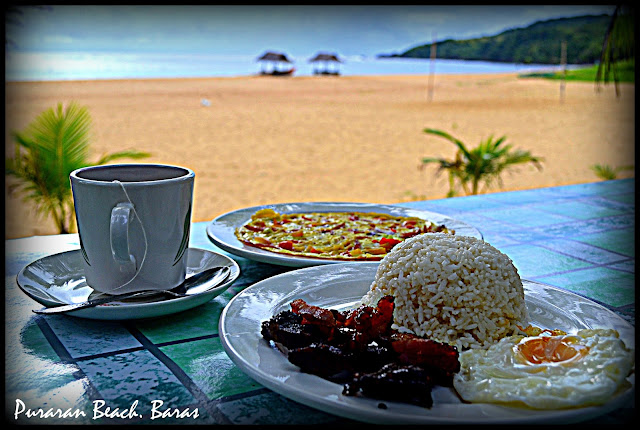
(547, 372)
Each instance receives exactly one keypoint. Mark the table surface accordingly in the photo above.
(576, 237)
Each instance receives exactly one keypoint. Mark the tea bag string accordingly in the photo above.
(144, 236)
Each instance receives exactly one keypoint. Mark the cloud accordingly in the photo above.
(301, 30)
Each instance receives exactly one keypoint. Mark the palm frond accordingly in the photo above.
(122, 154)
(606, 172)
(482, 164)
(46, 152)
(450, 138)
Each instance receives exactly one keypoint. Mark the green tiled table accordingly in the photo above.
(577, 237)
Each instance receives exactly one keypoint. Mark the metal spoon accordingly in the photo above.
(195, 284)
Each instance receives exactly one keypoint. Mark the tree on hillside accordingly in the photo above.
(537, 43)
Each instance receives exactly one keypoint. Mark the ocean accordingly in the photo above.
(52, 66)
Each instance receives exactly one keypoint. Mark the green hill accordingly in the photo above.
(539, 43)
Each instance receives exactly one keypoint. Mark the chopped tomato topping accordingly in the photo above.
(287, 244)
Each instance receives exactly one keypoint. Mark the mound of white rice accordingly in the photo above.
(454, 289)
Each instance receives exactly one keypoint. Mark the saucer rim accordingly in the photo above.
(142, 309)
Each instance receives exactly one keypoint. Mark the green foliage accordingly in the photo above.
(606, 172)
(55, 144)
(619, 44)
(538, 43)
(625, 73)
(483, 164)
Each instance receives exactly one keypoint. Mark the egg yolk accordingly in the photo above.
(550, 349)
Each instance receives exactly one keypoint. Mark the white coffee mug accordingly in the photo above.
(134, 223)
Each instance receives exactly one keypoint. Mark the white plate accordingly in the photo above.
(221, 230)
(59, 279)
(343, 285)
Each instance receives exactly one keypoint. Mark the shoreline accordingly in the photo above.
(354, 66)
(263, 139)
(259, 75)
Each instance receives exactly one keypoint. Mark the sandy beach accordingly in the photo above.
(256, 140)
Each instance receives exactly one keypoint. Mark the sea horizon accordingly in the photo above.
(62, 66)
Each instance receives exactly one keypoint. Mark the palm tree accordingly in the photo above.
(606, 172)
(619, 44)
(46, 152)
(484, 163)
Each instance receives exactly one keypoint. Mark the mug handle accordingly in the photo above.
(121, 216)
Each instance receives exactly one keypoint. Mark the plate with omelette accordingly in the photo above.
(316, 233)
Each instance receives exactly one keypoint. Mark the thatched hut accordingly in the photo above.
(276, 59)
(326, 59)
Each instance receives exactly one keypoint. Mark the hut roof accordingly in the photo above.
(325, 57)
(274, 56)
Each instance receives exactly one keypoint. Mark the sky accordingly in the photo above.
(253, 29)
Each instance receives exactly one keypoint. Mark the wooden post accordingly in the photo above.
(563, 64)
(433, 66)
